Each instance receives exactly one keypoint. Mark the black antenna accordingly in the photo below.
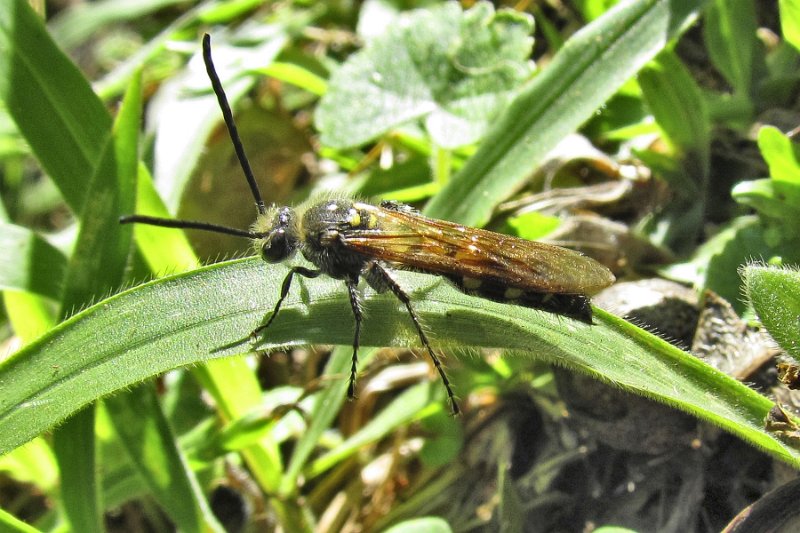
(190, 224)
(237, 144)
(232, 131)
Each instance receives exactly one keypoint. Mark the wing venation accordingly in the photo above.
(410, 240)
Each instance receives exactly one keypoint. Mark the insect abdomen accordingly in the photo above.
(571, 305)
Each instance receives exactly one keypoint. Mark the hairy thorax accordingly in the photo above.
(322, 227)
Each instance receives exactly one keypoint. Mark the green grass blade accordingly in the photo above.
(98, 261)
(208, 313)
(730, 35)
(79, 22)
(678, 106)
(12, 524)
(231, 382)
(29, 263)
(327, 407)
(401, 411)
(145, 433)
(51, 102)
(30, 315)
(680, 111)
(96, 268)
(75, 448)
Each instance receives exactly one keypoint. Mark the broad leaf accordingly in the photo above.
(453, 70)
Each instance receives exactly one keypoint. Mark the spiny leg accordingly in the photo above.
(355, 303)
(285, 286)
(384, 277)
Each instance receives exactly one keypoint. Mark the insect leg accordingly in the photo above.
(355, 303)
(377, 271)
(285, 286)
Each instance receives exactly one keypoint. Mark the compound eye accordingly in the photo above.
(276, 247)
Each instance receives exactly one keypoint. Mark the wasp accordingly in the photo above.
(352, 240)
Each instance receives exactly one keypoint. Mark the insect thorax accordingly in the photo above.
(322, 227)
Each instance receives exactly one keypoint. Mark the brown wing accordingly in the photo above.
(413, 241)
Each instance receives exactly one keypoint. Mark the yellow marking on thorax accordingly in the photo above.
(359, 211)
(361, 219)
(354, 218)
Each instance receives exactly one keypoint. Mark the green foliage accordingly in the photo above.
(453, 70)
(582, 76)
(156, 343)
(447, 102)
(677, 105)
(777, 198)
(775, 295)
(730, 33)
(50, 102)
(790, 21)
(36, 267)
